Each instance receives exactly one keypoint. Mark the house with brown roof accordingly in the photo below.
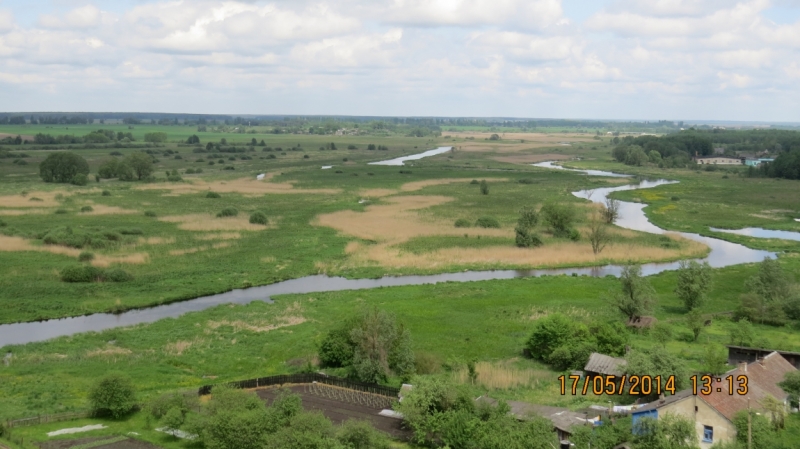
(713, 414)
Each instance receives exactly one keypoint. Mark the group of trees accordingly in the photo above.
(771, 297)
(99, 136)
(786, 165)
(441, 414)
(567, 344)
(372, 345)
(136, 165)
(672, 150)
(64, 167)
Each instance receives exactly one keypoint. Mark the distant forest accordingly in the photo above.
(677, 149)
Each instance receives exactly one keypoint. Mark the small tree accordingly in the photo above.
(694, 281)
(484, 187)
(662, 333)
(715, 359)
(694, 321)
(611, 211)
(140, 163)
(560, 218)
(173, 419)
(791, 385)
(528, 217)
(657, 362)
(525, 238)
(113, 395)
(742, 333)
(598, 235)
(637, 296)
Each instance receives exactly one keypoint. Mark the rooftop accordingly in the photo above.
(604, 364)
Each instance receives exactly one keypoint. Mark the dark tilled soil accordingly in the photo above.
(339, 412)
(126, 444)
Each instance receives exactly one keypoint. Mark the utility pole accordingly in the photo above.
(749, 426)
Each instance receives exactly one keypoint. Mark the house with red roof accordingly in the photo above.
(713, 413)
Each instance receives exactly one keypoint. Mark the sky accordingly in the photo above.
(592, 59)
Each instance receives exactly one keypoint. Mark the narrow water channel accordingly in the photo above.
(632, 216)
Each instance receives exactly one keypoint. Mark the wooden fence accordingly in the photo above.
(307, 378)
(41, 419)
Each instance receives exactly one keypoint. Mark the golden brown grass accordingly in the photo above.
(48, 199)
(531, 158)
(108, 352)
(503, 375)
(419, 185)
(243, 186)
(219, 236)
(25, 211)
(101, 209)
(102, 260)
(208, 222)
(290, 316)
(14, 244)
(181, 252)
(156, 240)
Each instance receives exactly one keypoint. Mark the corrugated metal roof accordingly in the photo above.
(677, 397)
(562, 418)
(604, 364)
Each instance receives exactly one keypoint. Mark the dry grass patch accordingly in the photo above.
(208, 222)
(13, 244)
(25, 211)
(419, 185)
(156, 240)
(557, 254)
(396, 222)
(100, 209)
(48, 199)
(178, 347)
(376, 193)
(268, 259)
(503, 375)
(243, 186)
(181, 252)
(531, 158)
(219, 236)
(105, 261)
(291, 316)
(109, 351)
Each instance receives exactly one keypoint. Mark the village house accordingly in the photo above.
(739, 354)
(718, 160)
(604, 365)
(563, 419)
(713, 414)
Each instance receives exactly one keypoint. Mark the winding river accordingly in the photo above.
(632, 216)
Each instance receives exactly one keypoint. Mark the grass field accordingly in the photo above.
(355, 220)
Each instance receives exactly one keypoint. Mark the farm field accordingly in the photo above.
(358, 221)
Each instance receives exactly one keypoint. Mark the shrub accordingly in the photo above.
(131, 231)
(213, 195)
(337, 348)
(85, 256)
(174, 178)
(463, 223)
(305, 156)
(474, 181)
(106, 193)
(560, 218)
(79, 180)
(81, 273)
(228, 212)
(527, 239)
(357, 434)
(113, 395)
(86, 209)
(258, 218)
(676, 198)
(230, 167)
(574, 235)
(198, 170)
(97, 178)
(149, 213)
(118, 275)
(526, 181)
(60, 212)
(189, 171)
(487, 222)
(484, 187)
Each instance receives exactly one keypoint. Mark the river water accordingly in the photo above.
(632, 216)
(413, 157)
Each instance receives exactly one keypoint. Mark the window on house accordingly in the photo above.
(708, 434)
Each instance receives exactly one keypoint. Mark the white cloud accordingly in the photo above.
(84, 17)
(674, 58)
(527, 14)
(6, 21)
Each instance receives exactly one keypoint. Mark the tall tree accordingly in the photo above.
(694, 281)
(62, 167)
(141, 163)
(636, 296)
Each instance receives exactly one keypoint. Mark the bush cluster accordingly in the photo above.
(213, 195)
(487, 222)
(566, 344)
(228, 212)
(259, 218)
(88, 273)
(462, 223)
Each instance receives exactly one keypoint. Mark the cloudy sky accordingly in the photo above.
(604, 59)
